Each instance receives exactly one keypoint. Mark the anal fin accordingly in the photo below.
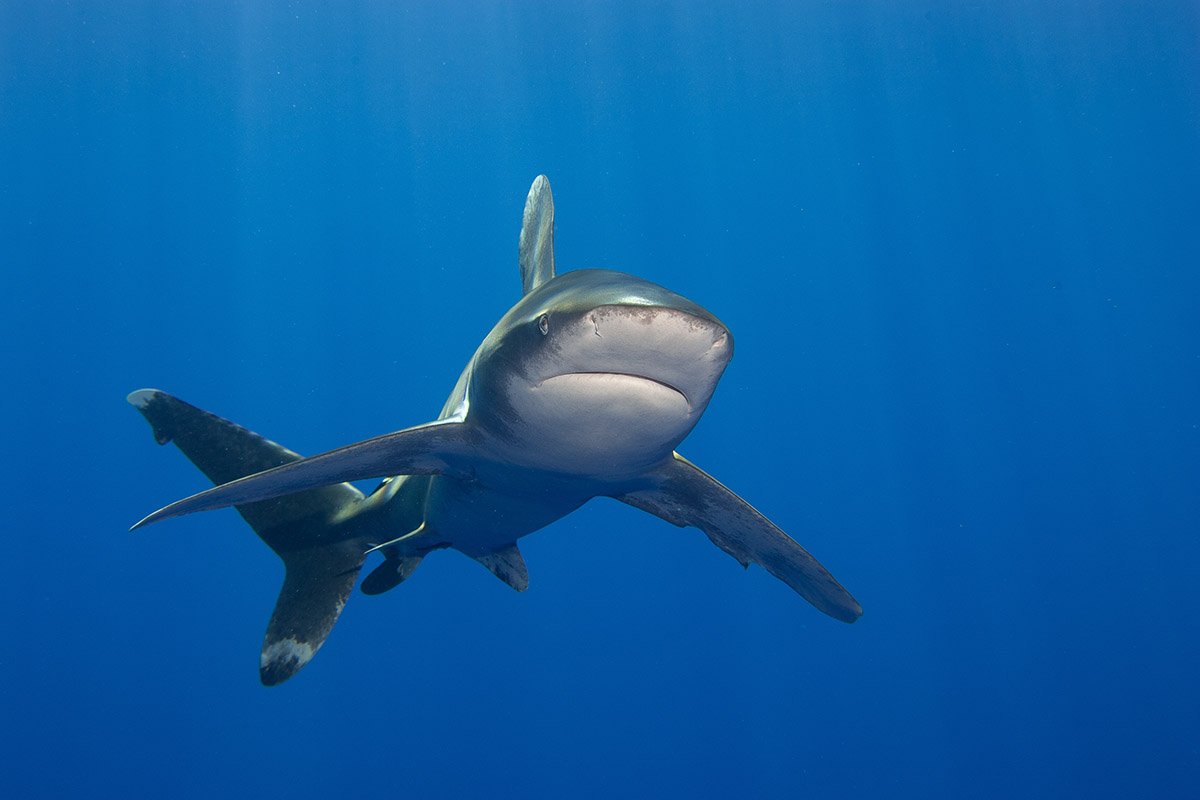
(508, 565)
(390, 574)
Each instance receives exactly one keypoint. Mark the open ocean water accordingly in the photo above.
(956, 243)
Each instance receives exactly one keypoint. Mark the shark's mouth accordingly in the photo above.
(620, 377)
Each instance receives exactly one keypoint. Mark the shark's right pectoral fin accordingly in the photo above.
(440, 447)
(684, 495)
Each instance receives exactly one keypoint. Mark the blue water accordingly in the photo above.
(957, 247)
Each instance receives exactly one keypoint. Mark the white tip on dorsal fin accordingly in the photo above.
(507, 565)
(536, 246)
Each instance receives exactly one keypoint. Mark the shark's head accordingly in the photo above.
(597, 372)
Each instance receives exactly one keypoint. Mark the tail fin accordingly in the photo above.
(321, 558)
(315, 589)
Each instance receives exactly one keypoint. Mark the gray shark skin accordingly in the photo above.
(583, 389)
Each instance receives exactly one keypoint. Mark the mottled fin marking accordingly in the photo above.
(685, 495)
(535, 248)
(321, 562)
(225, 451)
(507, 565)
(314, 592)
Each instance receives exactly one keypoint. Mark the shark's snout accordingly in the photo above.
(668, 346)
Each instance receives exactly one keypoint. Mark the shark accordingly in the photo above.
(583, 389)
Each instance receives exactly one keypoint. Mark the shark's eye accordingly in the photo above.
(544, 324)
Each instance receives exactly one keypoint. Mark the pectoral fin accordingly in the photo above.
(425, 450)
(684, 495)
(225, 451)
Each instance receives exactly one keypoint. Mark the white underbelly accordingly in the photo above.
(478, 518)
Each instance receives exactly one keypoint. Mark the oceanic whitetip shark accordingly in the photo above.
(583, 389)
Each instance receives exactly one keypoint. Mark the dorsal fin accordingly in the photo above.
(507, 565)
(536, 246)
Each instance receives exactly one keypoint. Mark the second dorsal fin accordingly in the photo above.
(536, 246)
(507, 565)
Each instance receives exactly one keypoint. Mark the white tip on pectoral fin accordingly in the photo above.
(141, 398)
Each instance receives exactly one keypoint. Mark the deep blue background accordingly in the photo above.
(956, 244)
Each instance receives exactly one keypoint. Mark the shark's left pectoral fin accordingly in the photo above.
(684, 495)
(433, 449)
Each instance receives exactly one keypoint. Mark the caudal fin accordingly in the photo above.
(314, 592)
(322, 559)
